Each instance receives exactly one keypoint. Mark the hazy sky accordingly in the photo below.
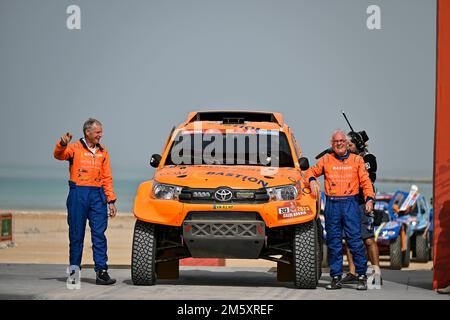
(141, 66)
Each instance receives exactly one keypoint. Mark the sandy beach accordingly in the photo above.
(41, 237)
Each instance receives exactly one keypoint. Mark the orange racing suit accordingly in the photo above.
(344, 177)
(88, 168)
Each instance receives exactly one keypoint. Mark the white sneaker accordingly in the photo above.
(377, 281)
(374, 280)
(74, 279)
(369, 274)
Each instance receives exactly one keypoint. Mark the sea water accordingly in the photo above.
(47, 190)
(43, 190)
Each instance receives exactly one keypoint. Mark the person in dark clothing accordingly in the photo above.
(367, 229)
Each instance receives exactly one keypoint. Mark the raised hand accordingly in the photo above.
(65, 139)
(315, 188)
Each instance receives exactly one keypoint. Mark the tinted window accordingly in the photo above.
(265, 148)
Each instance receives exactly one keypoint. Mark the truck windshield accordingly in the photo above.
(264, 148)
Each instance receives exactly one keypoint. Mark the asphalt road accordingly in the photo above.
(38, 281)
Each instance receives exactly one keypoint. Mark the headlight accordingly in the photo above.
(166, 192)
(283, 193)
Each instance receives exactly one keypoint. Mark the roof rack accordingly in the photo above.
(236, 117)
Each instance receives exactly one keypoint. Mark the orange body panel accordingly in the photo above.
(172, 212)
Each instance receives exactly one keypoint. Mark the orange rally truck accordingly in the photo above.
(229, 184)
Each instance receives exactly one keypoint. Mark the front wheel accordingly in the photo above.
(395, 253)
(143, 254)
(306, 259)
(406, 255)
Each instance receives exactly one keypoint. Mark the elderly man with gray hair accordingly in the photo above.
(344, 173)
(91, 191)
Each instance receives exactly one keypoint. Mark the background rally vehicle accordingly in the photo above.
(246, 202)
(405, 217)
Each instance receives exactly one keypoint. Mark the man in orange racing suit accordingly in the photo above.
(91, 188)
(344, 173)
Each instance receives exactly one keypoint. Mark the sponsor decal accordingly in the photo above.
(292, 210)
(172, 173)
(83, 178)
(91, 155)
(239, 176)
(222, 206)
(342, 168)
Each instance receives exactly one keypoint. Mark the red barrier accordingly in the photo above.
(202, 262)
(441, 275)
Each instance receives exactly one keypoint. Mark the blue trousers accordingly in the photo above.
(87, 203)
(342, 216)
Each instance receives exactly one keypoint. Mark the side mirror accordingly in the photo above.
(304, 163)
(155, 160)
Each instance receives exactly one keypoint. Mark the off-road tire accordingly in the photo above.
(306, 259)
(143, 254)
(422, 248)
(395, 253)
(406, 255)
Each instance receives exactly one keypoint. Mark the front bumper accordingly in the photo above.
(173, 212)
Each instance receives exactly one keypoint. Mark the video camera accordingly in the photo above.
(359, 139)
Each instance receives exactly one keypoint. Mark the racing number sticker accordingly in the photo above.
(292, 210)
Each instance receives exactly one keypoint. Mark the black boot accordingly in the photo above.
(335, 283)
(362, 282)
(103, 278)
(349, 278)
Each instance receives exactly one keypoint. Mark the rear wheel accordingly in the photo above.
(306, 259)
(143, 254)
(422, 248)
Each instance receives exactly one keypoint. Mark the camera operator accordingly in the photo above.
(358, 145)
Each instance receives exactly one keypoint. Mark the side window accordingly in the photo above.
(421, 206)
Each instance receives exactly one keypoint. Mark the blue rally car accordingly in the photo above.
(404, 226)
(405, 217)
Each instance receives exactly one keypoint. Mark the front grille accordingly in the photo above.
(206, 228)
(199, 195)
(224, 224)
(231, 234)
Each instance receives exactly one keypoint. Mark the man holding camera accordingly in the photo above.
(357, 145)
(344, 174)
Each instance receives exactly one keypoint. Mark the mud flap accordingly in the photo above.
(285, 272)
(168, 269)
